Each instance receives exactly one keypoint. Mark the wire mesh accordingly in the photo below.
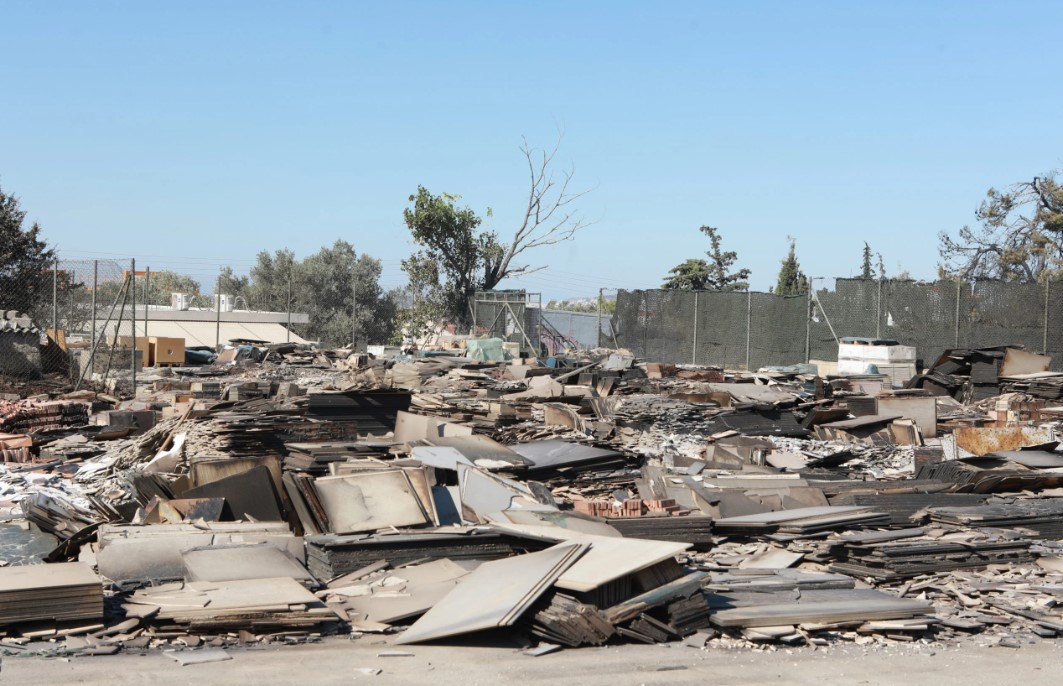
(932, 316)
(721, 328)
(657, 324)
(506, 315)
(777, 329)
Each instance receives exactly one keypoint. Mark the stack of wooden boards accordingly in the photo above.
(890, 560)
(66, 592)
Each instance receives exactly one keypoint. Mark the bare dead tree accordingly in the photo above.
(455, 258)
(1020, 236)
(549, 218)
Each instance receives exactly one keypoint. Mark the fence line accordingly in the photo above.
(751, 329)
(77, 318)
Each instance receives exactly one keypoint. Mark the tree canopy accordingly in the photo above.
(713, 274)
(158, 288)
(324, 286)
(867, 272)
(26, 262)
(1019, 237)
(791, 281)
(455, 257)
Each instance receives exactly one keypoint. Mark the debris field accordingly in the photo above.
(301, 493)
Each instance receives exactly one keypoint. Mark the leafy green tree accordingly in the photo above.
(157, 287)
(161, 286)
(792, 281)
(26, 262)
(608, 306)
(233, 284)
(324, 286)
(453, 260)
(713, 274)
(455, 257)
(268, 285)
(1020, 238)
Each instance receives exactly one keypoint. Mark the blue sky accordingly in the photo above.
(194, 134)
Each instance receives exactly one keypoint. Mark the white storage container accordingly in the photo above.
(876, 353)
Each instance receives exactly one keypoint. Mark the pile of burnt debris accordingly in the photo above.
(307, 493)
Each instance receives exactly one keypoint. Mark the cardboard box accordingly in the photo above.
(166, 350)
(142, 347)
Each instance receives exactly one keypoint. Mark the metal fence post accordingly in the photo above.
(808, 321)
(354, 310)
(878, 311)
(749, 323)
(217, 314)
(133, 294)
(694, 353)
(1044, 338)
(956, 334)
(288, 334)
(601, 296)
(147, 298)
(55, 299)
(95, 285)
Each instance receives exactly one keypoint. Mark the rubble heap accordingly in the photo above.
(299, 492)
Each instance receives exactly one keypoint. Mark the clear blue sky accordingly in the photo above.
(194, 134)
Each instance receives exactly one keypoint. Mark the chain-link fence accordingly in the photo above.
(584, 330)
(510, 316)
(74, 320)
(51, 318)
(751, 330)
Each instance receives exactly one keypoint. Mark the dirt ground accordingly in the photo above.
(339, 661)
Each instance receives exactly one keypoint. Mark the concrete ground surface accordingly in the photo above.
(339, 661)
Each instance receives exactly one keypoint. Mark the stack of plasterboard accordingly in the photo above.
(394, 595)
(801, 520)
(329, 556)
(781, 608)
(153, 553)
(1044, 516)
(892, 560)
(68, 591)
(244, 604)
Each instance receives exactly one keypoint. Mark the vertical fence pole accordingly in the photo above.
(694, 353)
(217, 314)
(133, 293)
(288, 334)
(147, 298)
(601, 296)
(354, 311)
(95, 283)
(749, 323)
(956, 333)
(808, 321)
(1044, 337)
(878, 311)
(55, 299)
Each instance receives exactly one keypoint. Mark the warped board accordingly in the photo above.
(496, 594)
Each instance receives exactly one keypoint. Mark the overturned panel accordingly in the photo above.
(370, 501)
